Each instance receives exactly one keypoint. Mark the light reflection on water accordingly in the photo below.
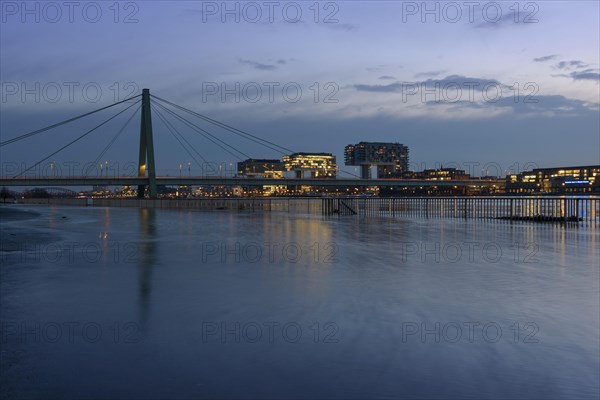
(366, 293)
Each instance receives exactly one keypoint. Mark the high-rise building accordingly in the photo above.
(391, 159)
(318, 165)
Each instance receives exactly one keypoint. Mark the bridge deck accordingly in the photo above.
(218, 181)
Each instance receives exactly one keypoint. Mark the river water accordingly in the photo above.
(138, 303)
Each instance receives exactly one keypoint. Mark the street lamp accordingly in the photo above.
(180, 169)
(100, 170)
(189, 168)
(106, 165)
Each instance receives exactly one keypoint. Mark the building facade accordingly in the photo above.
(391, 159)
(261, 168)
(440, 174)
(315, 165)
(560, 180)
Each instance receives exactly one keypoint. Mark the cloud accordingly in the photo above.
(545, 58)
(555, 104)
(507, 18)
(574, 64)
(588, 74)
(538, 106)
(461, 81)
(257, 65)
(429, 74)
(387, 77)
(576, 71)
(282, 61)
(462, 97)
(381, 67)
(449, 82)
(345, 27)
(391, 88)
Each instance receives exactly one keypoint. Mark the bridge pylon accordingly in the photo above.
(146, 160)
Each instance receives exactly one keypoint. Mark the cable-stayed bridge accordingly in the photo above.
(147, 179)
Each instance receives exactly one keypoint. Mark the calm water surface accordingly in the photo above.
(128, 303)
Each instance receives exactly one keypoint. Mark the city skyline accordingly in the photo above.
(354, 88)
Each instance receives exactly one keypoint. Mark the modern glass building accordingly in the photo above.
(391, 159)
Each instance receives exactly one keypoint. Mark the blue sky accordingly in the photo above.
(383, 71)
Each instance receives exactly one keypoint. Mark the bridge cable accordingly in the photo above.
(16, 139)
(174, 133)
(205, 133)
(229, 128)
(239, 132)
(349, 173)
(75, 140)
(114, 139)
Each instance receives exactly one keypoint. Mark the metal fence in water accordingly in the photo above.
(585, 210)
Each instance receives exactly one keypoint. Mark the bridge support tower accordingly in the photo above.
(146, 160)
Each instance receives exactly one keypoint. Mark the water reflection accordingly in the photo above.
(147, 258)
(387, 273)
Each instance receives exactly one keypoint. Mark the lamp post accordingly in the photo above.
(106, 166)
(189, 168)
(180, 169)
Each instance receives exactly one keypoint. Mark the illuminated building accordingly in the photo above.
(261, 168)
(441, 174)
(391, 159)
(317, 165)
(563, 180)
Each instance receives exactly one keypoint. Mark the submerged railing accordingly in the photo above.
(536, 209)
